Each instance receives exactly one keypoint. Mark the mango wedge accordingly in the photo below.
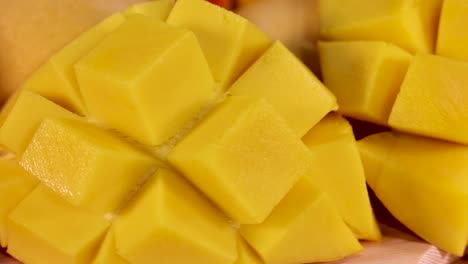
(422, 182)
(159, 9)
(301, 229)
(452, 37)
(330, 141)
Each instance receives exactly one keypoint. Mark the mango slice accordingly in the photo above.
(230, 42)
(302, 229)
(158, 9)
(134, 70)
(19, 123)
(285, 82)
(246, 254)
(15, 184)
(46, 229)
(365, 76)
(236, 156)
(79, 161)
(330, 141)
(171, 222)
(411, 25)
(423, 184)
(452, 38)
(433, 99)
(56, 80)
(107, 253)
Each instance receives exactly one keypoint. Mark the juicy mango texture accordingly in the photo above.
(452, 37)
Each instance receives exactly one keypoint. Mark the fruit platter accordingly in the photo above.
(223, 132)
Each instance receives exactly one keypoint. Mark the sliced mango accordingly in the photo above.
(411, 25)
(292, 89)
(45, 229)
(305, 227)
(135, 68)
(237, 157)
(423, 184)
(171, 222)
(246, 255)
(230, 42)
(15, 184)
(452, 38)
(56, 80)
(365, 76)
(19, 122)
(433, 99)
(107, 253)
(79, 161)
(158, 9)
(330, 141)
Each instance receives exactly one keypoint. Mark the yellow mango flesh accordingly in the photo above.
(236, 156)
(411, 25)
(107, 253)
(79, 161)
(365, 76)
(433, 99)
(138, 71)
(286, 83)
(230, 42)
(19, 123)
(423, 184)
(171, 222)
(44, 228)
(56, 80)
(303, 228)
(246, 254)
(158, 9)
(452, 38)
(15, 184)
(330, 141)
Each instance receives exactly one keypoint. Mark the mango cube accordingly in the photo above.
(246, 255)
(56, 79)
(330, 141)
(172, 222)
(423, 183)
(45, 229)
(107, 253)
(411, 25)
(19, 122)
(80, 162)
(452, 38)
(365, 76)
(292, 89)
(237, 157)
(158, 9)
(138, 71)
(15, 184)
(305, 227)
(433, 99)
(230, 42)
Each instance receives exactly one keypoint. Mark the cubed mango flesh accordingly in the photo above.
(171, 222)
(79, 161)
(452, 38)
(423, 183)
(244, 157)
(56, 79)
(158, 9)
(18, 122)
(302, 229)
(107, 253)
(411, 25)
(292, 89)
(138, 71)
(365, 76)
(245, 253)
(433, 99)
(45, 229)
(15, 184)
(330, 141)
(230, 42)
